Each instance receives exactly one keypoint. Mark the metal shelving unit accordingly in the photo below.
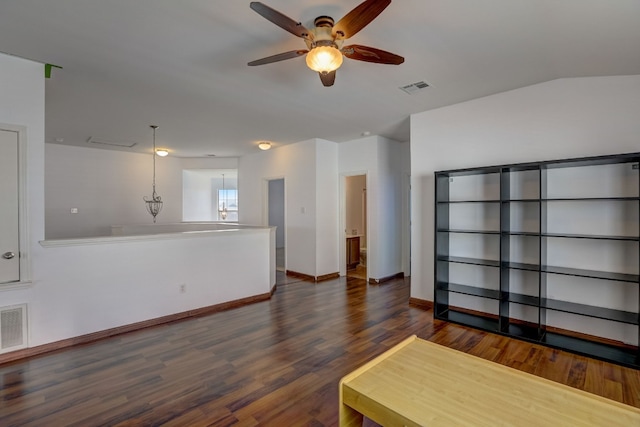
(536, 250)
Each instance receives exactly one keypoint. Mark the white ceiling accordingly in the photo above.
(183, 65)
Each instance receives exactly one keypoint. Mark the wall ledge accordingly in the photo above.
(100, 240)
(14, 286)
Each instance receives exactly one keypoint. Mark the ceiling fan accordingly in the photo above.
(325, 41)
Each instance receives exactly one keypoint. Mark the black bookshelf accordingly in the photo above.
(524, 199)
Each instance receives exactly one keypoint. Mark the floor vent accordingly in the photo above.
(13, 328)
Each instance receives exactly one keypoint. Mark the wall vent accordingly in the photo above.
(112, 143)
(414, 87)
(13, 328)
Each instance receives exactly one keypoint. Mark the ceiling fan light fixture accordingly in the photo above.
(264, 145)
(324, 59)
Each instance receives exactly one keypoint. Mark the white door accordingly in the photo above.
(9, 226)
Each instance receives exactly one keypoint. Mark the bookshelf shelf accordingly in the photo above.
(563, 240)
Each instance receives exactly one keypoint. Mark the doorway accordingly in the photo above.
(356, 226)
(275, 217)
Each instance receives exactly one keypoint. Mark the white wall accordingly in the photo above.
(87, 288)
(91, 287)
(107, 187)
(312, 171)
(388, 258)
(22, 103)
(209, 162)
(199, 193)
(384, 161)
(564, 118)
(355, 208)
(276, 209)
(327, 207)
(197, 196)
(296, 163)
(360, 157)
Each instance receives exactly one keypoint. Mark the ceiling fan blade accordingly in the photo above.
(359, 18)
(371, 54)
(278, 57)
(282, 21)
(328, 78)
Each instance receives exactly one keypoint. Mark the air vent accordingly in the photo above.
(414, 87)
(13, 328)
(103, 141)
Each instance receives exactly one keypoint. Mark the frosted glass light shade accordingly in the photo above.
(162, 152)
(324, 59)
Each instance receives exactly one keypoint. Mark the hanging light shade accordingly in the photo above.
(264, 145)
(154, 204)
(324, 59)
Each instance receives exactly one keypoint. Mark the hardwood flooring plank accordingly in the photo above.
(272, 363)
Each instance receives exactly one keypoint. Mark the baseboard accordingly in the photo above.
(386, 279)
(329, 276)
(313, 278)
(421, 303)
(96, 336)
(301, 275)
(553, 329)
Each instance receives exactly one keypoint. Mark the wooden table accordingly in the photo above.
(419, 383)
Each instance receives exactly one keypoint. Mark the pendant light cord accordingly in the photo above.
(154, 160)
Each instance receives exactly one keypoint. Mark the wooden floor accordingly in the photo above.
(360, 272)
(274, 363)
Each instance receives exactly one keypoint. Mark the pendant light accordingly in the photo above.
(154, 204)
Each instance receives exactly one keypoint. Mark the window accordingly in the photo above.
(228, 205)
(204, 191)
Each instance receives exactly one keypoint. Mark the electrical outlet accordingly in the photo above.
(635, 166)
(74, 210)
(183, 288)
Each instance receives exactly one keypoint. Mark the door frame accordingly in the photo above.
(407, 226)
(342, 252)
(265, 209)
(23, 209)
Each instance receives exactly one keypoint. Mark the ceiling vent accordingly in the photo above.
(414, 87)
(103, 141)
